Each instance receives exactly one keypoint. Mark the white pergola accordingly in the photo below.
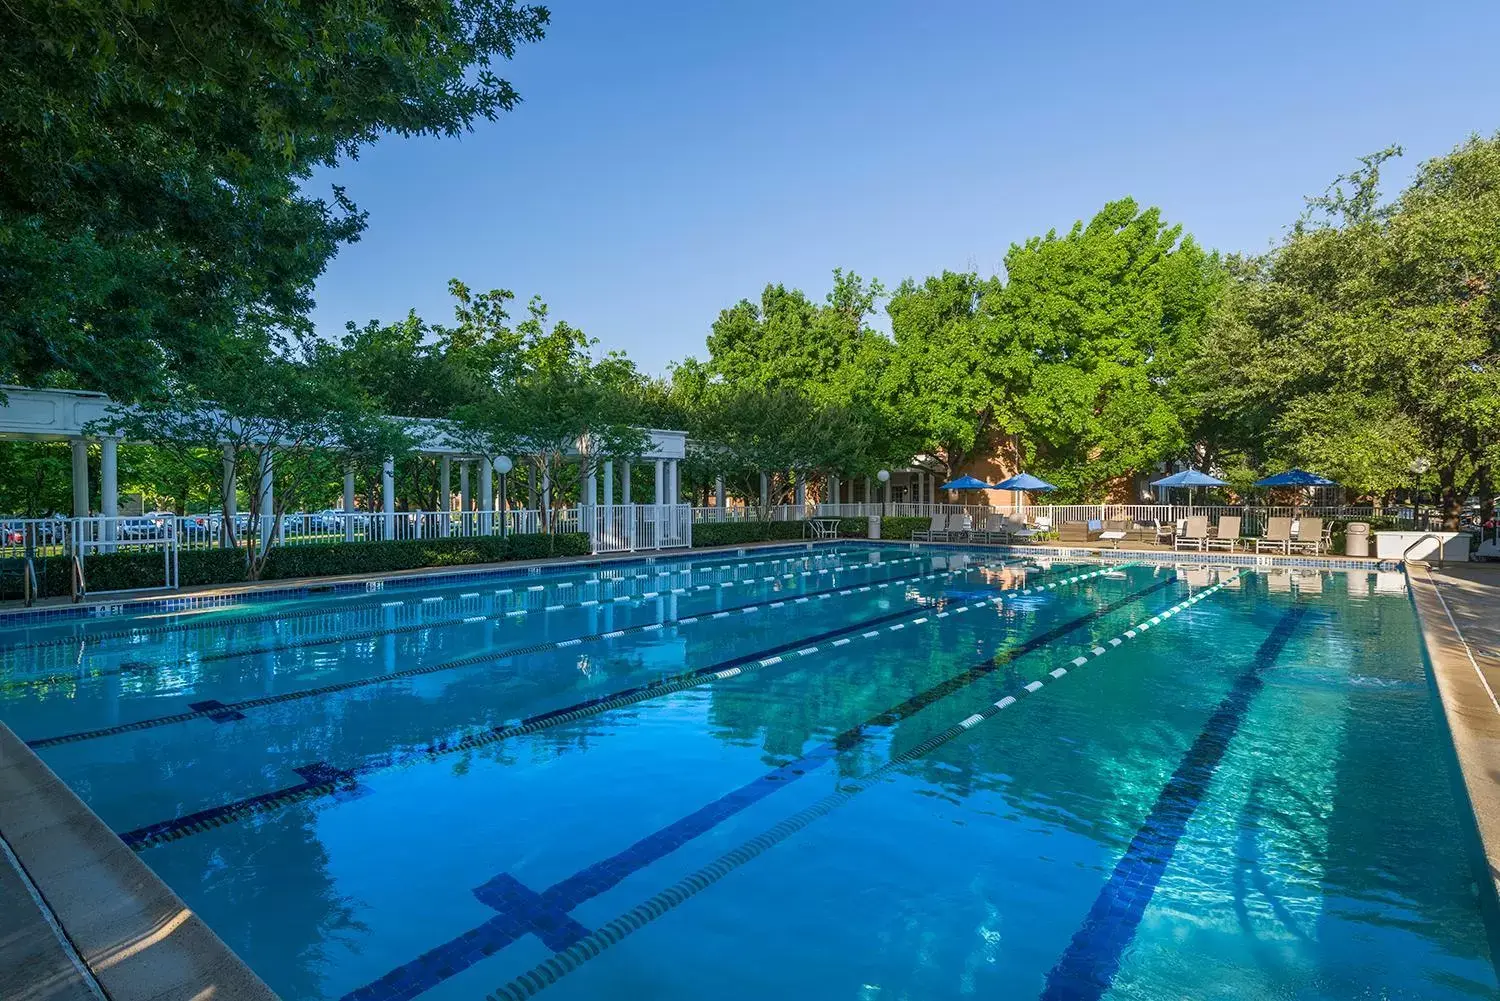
(64, 415)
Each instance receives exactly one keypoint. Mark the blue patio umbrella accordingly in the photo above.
(965, 483)
(1024, 483)
(1189, 478)
(1296, 478)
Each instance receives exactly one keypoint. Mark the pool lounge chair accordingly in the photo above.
(936, 530)
(1278, 536)
(1194, 535)
(996, 528)
(1309, 537)
(958, 526)
(1226, 534)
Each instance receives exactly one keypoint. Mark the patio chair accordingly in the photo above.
(1309, 537)
(1163, 534)
(1194, 534)
(958, 526)
(1018, 529)
(1226, 534)
(1278, 536)
(936, 530)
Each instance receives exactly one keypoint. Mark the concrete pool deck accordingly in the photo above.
(82, 918)
(1459, 609)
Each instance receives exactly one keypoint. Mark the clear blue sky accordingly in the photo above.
(671, 158)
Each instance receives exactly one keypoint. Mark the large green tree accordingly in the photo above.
(1105, 316)
(152, 202)
(1371, 336)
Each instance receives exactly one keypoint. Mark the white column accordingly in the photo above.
(660, 498)
(801, 493)
(463, 486)
(270, 525)
(719, 497)
(869, 490)
(348, 503)
(486, 495)
(625, 482)
(609, 482)
(388, 496)
(231, 497)
(445, 483)
(109, 484)
(833, 489)
(80, 478)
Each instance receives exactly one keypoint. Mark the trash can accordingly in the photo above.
(1357, 539)
(874, 526)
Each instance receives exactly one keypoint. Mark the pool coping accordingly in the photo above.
(116, 931)
(1470, 708)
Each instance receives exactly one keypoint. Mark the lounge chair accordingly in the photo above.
(936, 530)
(1194, 535)
(1226, 534)
(1020, 530)
(996, 528)
(1309, 538)
(1163, 533)
(958, 526)
(1278, 536)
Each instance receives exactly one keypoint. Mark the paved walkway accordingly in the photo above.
(1459, 606)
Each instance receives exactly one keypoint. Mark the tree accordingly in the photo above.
(152, 202)
(1371, 335)
(1105, 316)
(745, 432)
(302, 420)
(953, 375)
(549, 402)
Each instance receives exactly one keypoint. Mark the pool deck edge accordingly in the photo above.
(1467, 676)
(90, 919)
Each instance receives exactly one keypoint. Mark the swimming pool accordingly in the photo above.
(862, 772)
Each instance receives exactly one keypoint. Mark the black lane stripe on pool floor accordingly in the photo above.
(164, 831)
(361, 602)
(560, 964)
(1087, 969)
(138, 667)
(196, 711)
(524, 911)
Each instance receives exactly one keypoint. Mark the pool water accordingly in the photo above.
(856, 772)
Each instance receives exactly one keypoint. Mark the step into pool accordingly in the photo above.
(866, 772)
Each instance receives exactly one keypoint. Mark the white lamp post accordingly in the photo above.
(884, 476)
(503, 465)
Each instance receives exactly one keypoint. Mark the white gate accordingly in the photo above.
(625, 528)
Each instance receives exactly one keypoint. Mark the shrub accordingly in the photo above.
(901, 528)
(734, 533)
(206, 567)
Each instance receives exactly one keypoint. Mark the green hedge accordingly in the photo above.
(734, 533)
(125, 571)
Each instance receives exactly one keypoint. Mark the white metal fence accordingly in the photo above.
(28, 543)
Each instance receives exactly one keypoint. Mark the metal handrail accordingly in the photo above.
(76, 579)
(29, 586)
(1428, 535)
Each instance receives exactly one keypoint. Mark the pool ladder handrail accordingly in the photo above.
(76, 579)
(29, 586)
(1438, 562)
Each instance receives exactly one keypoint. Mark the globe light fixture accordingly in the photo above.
(883, 476)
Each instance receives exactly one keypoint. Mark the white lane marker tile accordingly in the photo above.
(842, 642)
(391, 604)
(1080, 661)
(475, 618)
(469, 594)
(1059, 672)
(976, 718)
(778, 604)
(1033, 686)
(767, 662)
(690, 619)
(807, 651)
(1009, 700)
(1097, 651)
(573, 642)
(871, 634)
(899, 625)
(719, 615)
(650, 626)
(428, 601)
(612, 634)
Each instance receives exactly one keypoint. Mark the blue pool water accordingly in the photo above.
(857, 772)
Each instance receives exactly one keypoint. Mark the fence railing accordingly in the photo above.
(612, 528)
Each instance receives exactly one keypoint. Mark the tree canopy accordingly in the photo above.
(152, 204)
